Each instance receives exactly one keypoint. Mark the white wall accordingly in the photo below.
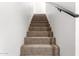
(77, 30)
(39, 7)
(14, 22)
(63, 26)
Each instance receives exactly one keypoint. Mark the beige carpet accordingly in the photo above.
(40, 40)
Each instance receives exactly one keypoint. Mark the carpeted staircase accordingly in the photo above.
(40, 40)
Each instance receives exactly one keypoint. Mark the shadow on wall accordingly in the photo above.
(63, 26)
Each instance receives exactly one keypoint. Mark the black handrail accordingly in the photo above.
(60, 8)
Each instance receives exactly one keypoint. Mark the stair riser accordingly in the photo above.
(40, 25)
(36, 51)
(39, 34)
(38, 19)
(37, 40)
(39, 22)
(39, 29)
